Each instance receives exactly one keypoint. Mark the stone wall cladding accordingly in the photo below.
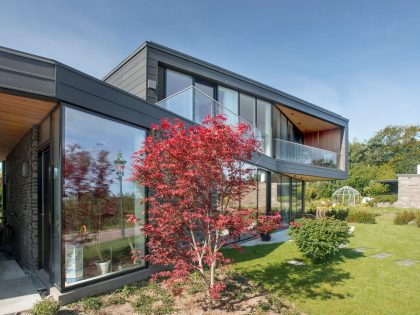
(22, 205)
(408, 191)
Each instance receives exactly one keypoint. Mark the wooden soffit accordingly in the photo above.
(17, 115)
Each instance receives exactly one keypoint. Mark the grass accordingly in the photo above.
(355, 283)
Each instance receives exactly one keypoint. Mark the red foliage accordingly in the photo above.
(294, 224)
(194, 175)
(268, 223)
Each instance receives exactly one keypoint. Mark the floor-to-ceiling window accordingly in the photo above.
(264, 123)
(97, 196)
(262, 184)
(288, 198)
(203, 100)
(230, 100)
(247, 108)
(182, 103)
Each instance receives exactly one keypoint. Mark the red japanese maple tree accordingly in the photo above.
(195, 176)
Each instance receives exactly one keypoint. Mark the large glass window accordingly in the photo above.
(285, 195)
(97, 196)
(182, 104)
(247, 108)
(262, 191)
(250, 199)
(264, 123)
(203, 101)
(229, 99)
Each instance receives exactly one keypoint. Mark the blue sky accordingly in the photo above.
(360, 59)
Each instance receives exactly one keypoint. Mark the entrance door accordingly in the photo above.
(45, 219)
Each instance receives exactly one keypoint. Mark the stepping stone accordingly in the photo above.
(343, 245)
(359, 249)
(406, 262)
(351, 229)
(381, 255)
(295, 262)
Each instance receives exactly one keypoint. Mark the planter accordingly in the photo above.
(265, 237)
(103, 266)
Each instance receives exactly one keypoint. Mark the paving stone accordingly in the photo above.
(381, 255)
(295, 262)
(406, 262)
(343, 245)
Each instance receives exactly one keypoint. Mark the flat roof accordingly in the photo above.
(214, 67)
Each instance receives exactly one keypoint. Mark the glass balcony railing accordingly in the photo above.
(299, 153)
(195, 105)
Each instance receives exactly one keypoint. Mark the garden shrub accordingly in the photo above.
(418, 219)
(376, 189)
(404, 217)
(339, 213)
(386, 198)
(319, 239)
(45, 307)
(361, 217)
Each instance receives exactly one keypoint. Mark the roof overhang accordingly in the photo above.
(304, 122)
(17, 116)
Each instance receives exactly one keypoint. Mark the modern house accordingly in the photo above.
(64, 138)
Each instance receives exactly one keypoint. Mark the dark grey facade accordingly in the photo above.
(47, 109)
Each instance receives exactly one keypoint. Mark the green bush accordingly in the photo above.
(386, 198)
(319, 239)
(339, 213)
(418, 219)
(361, 217)
(404, 217)
(376, 189)
(45, 307)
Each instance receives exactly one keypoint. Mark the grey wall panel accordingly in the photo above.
(90, 93)
(26, 73)
(131, 76)
(308, 170)
(27, 64)
(26, 83)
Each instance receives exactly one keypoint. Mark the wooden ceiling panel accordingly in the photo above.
(17, 115)
(305, 122)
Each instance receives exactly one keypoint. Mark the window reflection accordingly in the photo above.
(95, 201)
(182, 104)
(229, 99)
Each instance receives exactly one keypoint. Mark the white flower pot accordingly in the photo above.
(103, 267)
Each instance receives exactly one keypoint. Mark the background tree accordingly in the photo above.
(392, 150)
(195, 175)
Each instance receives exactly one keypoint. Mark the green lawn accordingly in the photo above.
(354, 284)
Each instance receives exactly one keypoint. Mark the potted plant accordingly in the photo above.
(266, 224)
(102, 264)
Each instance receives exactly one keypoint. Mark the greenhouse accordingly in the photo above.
(346, 195)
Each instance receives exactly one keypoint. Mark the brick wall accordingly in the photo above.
(22, 199)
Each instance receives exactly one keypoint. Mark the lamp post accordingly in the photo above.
(119, 167)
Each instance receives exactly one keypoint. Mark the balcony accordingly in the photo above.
(303, 154)
(193, 104)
